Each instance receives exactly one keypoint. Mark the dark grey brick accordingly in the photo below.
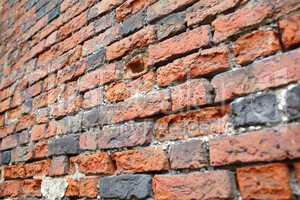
(96, 59)
(91, 118)
(293, 102)
(29, 4)
(104, 22)
(133, 23)
(65, 145)
(170, 25)
(255, 110)
(54, 14)
(125, 187)
(6, 157)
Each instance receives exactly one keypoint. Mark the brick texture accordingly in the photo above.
(149, 99)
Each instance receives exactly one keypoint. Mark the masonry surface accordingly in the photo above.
(150, 99)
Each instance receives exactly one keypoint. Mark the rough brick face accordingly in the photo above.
(193, 186)
(264, 182)
(279, 143)
(149, 99)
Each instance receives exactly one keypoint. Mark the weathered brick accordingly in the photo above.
(7, 130)
(5, 157)
(99, 163)
(254, 45)
(207, 121)
(88, 141)
(204, 10)
(68, 73)
(104, 22)
(125, 135)
(297, 171)
(38, 132)
(282, 69)
(32, 188)
(122, 91)
(284, 7)
(125, 186)
(170, 25)
(188, 155)
(264, 182)
(102, 7)
(25, 122)
(162, 8)
(65, 145)
(66, 107)
(269, 144)
(199, 64)
(178, 45)
(84, 187)
(92, 98)
(97, 77)
(133, 23)
(21, 154)
(40, 150)
(194, 186)
(72, 26)
(290, 29)
(106, 38)
(190, 94)
(91, 118)
(128, 8)
(5, 105)
(139, 39)
(9, 142)
(96, 59)
(249, 15)
(141, 160)
(255, 110)
(142, 106)
(59, 166)
(10, 189)
(292, 106)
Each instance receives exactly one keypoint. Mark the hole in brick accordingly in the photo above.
(136, 66)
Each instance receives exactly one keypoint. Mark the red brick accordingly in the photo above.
(207, 121)
(110, 35)
(193, 186)
(7, 130)
(290, 29)
(122, 91)
(92, 98)
(178, 45)
(14, 115)
(4, 105)
(10, 188)
(142, 106)
(198, 64)
(125, 135)
(26, 122)
(249, 15)
(88, 141)
(269, 144)
(264, 182)
(38, 132)
(59, 166)
(34, 90)
(50, 82)
(71, 72)
(188, 155)
(9, 142)
(141, 160)
(40, 150)
(136, 67)
(282, 69)
(66, 107)
(32, 188)
(99, 163)
(100, 76)
(254, 45)
(190, 94)
(297, 170)
(84, 187)
(284, 7)
(2, 121)
(139, 39)
(102, 7)
(39, 168)
(72, 26)
(163, 8)
(208, 8)
(45, 99)
(131, 7)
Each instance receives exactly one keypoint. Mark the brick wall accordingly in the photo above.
(150, 99)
